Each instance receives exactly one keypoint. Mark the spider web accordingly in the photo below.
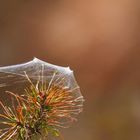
(13, 78)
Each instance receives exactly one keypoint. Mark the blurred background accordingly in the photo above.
(99, 40)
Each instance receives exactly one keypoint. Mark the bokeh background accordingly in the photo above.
(99, 40)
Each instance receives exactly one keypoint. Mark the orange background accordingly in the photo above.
(99, 40)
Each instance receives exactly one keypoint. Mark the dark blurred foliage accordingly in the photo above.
(99, 40)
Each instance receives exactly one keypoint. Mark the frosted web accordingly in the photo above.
(14, 78)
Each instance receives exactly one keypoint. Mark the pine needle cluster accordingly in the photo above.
(40, 112)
